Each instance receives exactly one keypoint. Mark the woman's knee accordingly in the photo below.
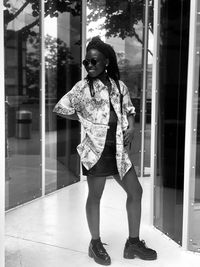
(132, 185)
(94, 197)
(95, 188)
(135, 195)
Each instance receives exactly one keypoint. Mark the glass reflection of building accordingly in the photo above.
(23, 86)
(44, 47)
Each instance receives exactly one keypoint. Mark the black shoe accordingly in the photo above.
(98, 253)
(139, 250)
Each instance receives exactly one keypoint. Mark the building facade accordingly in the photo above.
(157, 46)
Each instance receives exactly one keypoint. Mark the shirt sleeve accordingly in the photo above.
(70, 102)
(127, 103)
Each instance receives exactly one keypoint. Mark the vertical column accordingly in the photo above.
(155, 76)
(189, 171)
(2, 137)
(42, 94)
(144, 84)
(83, 33)
(83, 44)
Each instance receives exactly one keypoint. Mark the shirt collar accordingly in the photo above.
(99, 86)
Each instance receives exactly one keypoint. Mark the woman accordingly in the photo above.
(102, 104)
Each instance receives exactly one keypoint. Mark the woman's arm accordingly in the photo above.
(68, 106)
(131, 121)
(70, 117)
(129, 133)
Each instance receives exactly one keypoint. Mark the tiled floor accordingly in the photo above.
(53, 231)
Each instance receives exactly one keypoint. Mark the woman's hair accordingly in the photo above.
(108, 52)
(112, 68)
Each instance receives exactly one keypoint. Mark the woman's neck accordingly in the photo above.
(104, 78)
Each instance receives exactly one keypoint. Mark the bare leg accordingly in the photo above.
(131, 185)
(95, 189)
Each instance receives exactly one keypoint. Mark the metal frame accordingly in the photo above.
(189, 171)
(83, 73)
(2, 137)
(155, 77)
(42, 97)
(144, 86)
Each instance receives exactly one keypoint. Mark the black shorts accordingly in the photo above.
(106, 165)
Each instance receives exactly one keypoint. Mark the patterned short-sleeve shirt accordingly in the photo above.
(93, 113)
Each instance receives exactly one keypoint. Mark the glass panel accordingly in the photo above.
(127, 40)
(172, 87)
(194, 211)
(62, 62)
(197, 111)
(147, 134)
(22, 65)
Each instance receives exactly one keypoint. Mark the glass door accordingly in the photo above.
(130, 43)
(22, 105)
(30, 26)
(62, 27)
(173, 39)
(148, 41)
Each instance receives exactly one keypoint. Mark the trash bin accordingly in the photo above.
(23, 124)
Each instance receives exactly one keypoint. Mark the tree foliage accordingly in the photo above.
(121, 16)
(56, 57)
(51, 7)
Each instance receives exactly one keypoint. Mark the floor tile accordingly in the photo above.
(52, 231)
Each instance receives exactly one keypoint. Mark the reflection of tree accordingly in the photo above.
(57, 52)
(52, 8)
(57, 56)
(32, 65)
(121, 16)
(122, 61)
(57, 59)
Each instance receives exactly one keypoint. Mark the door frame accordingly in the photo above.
(2, 137)
(190, 210)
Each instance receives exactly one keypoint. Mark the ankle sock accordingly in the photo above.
(134, 240)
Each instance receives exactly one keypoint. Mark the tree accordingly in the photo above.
(57, 56)
(52, 8)
(121, 16)
(57, 52)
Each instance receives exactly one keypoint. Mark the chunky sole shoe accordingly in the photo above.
(139, 250)
(99, 254)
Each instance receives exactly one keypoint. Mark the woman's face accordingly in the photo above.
(95, 63)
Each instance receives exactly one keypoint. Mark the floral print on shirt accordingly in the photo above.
(93, 113)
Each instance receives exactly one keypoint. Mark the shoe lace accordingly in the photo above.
(100, 246)
(142, 243)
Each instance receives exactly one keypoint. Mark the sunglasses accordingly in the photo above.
(92, 61)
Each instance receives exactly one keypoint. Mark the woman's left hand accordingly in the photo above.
(128, 136)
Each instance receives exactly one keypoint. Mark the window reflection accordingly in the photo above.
(147, 134)
(122, 25)
(62, 71)
(171, 112)
(22, 64)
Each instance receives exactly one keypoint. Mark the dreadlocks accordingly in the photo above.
(112, 68)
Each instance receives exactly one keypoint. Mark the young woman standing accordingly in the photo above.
(102, 104)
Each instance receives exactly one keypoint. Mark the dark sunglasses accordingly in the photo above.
(92, 61)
